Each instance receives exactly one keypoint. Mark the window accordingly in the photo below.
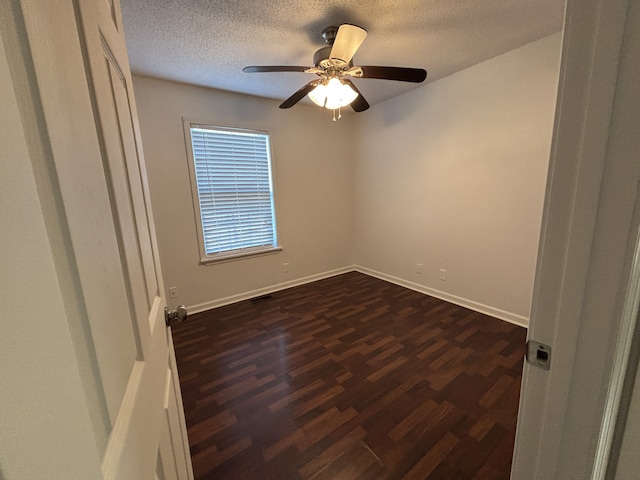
(232, 191)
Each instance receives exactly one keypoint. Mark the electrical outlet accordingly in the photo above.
(419, 268)
(173, 292)
(285, 267)
(443, 275)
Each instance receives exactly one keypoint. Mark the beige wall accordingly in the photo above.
(312, 175)
(452, 175)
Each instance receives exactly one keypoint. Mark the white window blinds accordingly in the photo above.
(233, 179)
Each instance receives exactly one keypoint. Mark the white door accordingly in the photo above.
(68, 63)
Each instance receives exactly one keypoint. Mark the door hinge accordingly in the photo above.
(539, 355)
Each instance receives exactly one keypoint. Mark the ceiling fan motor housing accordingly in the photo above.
(320, 55)
(322, 59)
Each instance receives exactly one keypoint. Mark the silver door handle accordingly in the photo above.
(178, 315)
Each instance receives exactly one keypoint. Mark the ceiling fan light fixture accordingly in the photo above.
(333, 94)
(319, 95)
(333, 64)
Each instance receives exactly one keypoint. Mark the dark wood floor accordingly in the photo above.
(349, 377)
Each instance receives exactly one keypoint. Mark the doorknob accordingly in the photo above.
(178, 315)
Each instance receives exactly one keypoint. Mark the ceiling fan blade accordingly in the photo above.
(299, 95)
(415, 75)
(359, 104)
(277, 68)
(347, 42)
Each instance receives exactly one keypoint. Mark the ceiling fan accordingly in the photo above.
(333, 64)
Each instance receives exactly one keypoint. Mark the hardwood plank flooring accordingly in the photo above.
(349, 377)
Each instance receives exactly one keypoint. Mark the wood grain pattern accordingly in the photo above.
(349, 377)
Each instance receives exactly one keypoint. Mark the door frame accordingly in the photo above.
(583, 269)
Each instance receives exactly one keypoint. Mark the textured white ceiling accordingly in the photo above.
(208, 42)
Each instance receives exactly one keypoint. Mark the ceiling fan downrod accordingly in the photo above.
(329, 34)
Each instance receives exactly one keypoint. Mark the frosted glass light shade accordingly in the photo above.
(333, 94)
(319, 95)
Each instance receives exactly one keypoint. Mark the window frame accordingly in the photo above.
(205, 258)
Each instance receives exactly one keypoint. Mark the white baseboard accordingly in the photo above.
(201, 307)
(447, 297)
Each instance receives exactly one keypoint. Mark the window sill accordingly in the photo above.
(222, 258)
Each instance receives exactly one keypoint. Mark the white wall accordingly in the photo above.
(452, 176)
(312, 176)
